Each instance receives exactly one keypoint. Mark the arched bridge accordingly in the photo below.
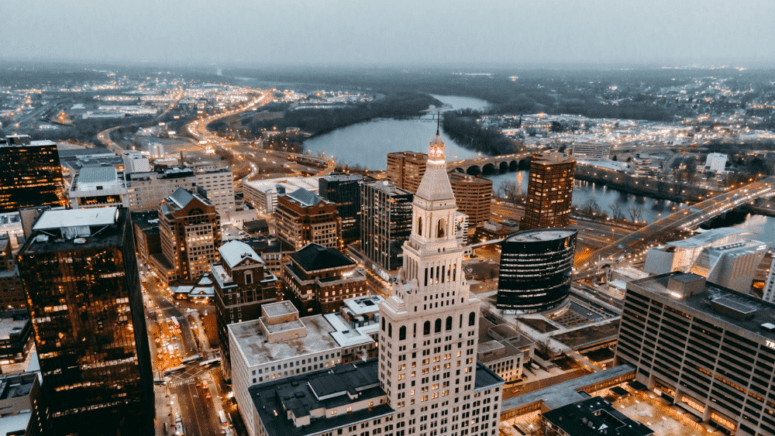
(491, 164)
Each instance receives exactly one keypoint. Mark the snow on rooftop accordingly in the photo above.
(234, 251)
(57, 219)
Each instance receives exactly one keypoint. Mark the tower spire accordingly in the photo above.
(438, 121)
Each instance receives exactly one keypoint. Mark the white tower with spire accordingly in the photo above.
(430, 326)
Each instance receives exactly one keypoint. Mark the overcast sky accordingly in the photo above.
(401, 33)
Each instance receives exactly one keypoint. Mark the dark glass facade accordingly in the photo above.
(345, 191)
(387, 222)
(30, 174)
(535, 269)
(88, 322)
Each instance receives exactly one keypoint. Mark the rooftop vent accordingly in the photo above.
(768, 326)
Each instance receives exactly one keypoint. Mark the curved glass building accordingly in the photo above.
(535, 269)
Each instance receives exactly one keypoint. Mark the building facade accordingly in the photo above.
(681, 255)
(473, 196)
(218, 187)
(732, 265)
(147, 190)
(706, 349)
(716, 162)
(406, 169)
(98, 186)
(345, 191)
(387, 223)
(80, 275)
(549, 191)
(190, 234)
(22, 406)
(262, 194)
(319, 279)
(303, 217)
(11, 290)
(31, 174)
(242, 286)
(535, 270)
(591, 151)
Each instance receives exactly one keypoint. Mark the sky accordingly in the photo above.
(392, 32)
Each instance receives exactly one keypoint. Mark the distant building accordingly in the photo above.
(593, 416)
(591, 151)
(190, 230)
(80, 277)
(31, 174)
(134, 162)
(147, 235)
(681, 255)
(473, 196)
(406, 169)
(22, 405)
(11, 290)
(98, 186)
(319, 279)
(146, 190)
(387, 223)
(535, 270)
(218, 187)
(704, 348)
(461, 228)
(242, 286)
(262, 194)
(549, 191)
(504, 350)
(256, 227)
(345, 191)
(15, 335)
(732, 266)
(303, 217)
(716, 162)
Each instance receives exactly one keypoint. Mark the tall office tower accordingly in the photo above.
(707, 349)
(242, 287)
(190, 230)
(535, 270)
(345, 191)
(30, 174)
(79, 271)
(430, 327)
(305, 218)
(406, 169)
(473, 196)
(549, 191)
(218, 186)
(387, 223)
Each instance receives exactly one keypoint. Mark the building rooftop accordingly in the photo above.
(595, 416)
(181, 197)
(551, 157)
(234, 252)
(98, 174)
(57, 219)
(724, 305)
(280, 308)
(327, 390)
(342, 177)
(253, 345)
(148, 222)
(707, 238)
(315, 257)
(305, 197)
(485, 377)
(539, 235)
(9, 325)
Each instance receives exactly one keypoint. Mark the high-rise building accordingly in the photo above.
(426, 380)
(11, 290)
(98, 186)
(706, 349)
(733, 265)
(406, 169)
(79, 271)
(473, 196)
(242, 286)
(387, 223)
(535, 270)
(305, 218)
(190, 230)
(30, 174)
(218, 187)
(319, 279)
(549, 191)
(146, 190)
(345, 191)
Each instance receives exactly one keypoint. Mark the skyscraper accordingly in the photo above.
(30, 174)
(405, 169)
(79, 272)
(345, 191)
(535, 269)
(387, 223)
(549, 191)
(305, 218)
(473, 196)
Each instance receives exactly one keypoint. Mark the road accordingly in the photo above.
(632, 247)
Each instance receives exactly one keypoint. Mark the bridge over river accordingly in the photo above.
(487, 165)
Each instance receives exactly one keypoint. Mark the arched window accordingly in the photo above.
(390, 330)
(472, 319)
(402, 333)
(419, 226)
(426, 328)
(383, 324)
(449, 323)
(442, 228)
(438, 326)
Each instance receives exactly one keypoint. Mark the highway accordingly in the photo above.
(633, 245)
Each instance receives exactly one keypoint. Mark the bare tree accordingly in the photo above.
(616, 211)
(590, 207)
(635, 213)
(511, 190)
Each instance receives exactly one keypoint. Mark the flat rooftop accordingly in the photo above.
(9, 325)
(539, 235)
(595, 416)
(252, 343)
(57, 219)
(708, 237)
(326, 389)
(486, 378)
(752, 313)
(280, 308)
(363, 305)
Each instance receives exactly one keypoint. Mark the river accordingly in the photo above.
(368, 143)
